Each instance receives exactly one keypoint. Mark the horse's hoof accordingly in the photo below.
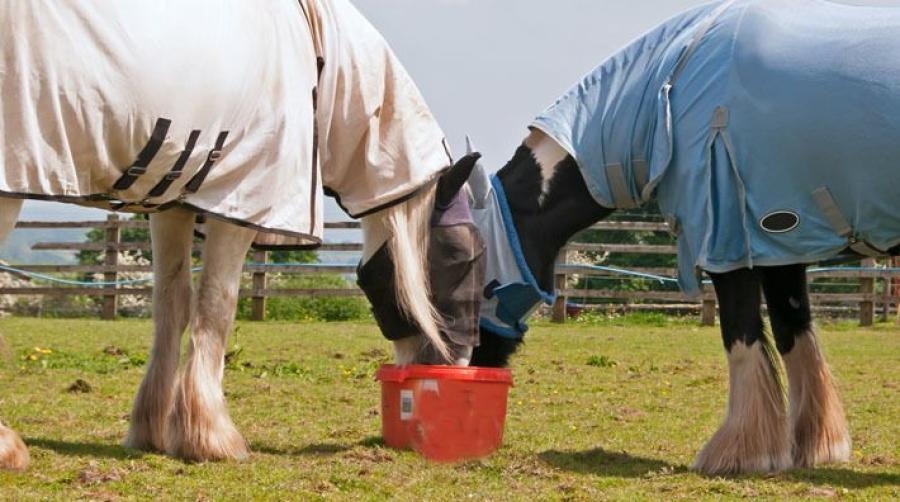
(818, 424)
(142, 439)
(820, 435)
(13, 453)
(728, 453)
(208, 445)
(829, 443)
(199, 432)
(147, 431)
(150, 413)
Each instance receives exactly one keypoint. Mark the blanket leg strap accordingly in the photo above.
(164, 184)
(139, 167)
(841, 226)
(194, 184)
(618, 184)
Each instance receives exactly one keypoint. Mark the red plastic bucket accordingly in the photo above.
(445, 413)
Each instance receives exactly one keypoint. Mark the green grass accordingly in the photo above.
(601, 410)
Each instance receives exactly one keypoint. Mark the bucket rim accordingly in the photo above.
(393, 373)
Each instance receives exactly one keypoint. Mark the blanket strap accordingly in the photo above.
(308, 6)
(719, 132)
(841, 226)
(618, 185)
(641, 170)
(698, 37)
(178, 168)
(139, 167)
(315, 29)
(214, 155)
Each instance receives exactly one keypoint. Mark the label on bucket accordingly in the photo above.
(406, 404)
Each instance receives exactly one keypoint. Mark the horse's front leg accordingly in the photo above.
(172, 235)
(200, 428)
(13, 453)
(754, 436)
(818, 427)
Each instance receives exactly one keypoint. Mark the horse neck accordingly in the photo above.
(549, 202)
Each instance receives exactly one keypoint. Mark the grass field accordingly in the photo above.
(610, 410)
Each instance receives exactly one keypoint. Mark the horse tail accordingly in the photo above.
(408, 223)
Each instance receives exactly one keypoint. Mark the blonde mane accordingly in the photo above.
(405, 228)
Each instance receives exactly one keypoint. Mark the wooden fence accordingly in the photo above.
(875, 284)
(864, 301)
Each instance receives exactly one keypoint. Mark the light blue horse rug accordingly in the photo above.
(768, 130)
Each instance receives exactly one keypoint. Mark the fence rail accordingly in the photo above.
(877, 286)
(875, 290)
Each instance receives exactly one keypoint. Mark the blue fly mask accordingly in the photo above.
(511, 293)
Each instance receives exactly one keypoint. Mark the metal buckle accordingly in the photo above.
(136, 171)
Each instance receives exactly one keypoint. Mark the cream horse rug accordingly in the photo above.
(247, 112)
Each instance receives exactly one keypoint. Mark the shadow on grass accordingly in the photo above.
(318, 449)
(600, 461)
(843, 477)
(99, 450)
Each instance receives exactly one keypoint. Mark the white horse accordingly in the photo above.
(79, 101)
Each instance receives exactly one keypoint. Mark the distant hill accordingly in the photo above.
(17, 248)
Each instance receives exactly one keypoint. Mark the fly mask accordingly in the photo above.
(455, 269)
(510, 291)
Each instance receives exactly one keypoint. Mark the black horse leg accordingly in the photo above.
(753, 437)
(818, 427)
(494, 350)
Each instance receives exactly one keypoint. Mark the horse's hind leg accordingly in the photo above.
(172, 234)
(754, 436)
(818, 426)
(9, 214)
(199, 426)
(13, 454)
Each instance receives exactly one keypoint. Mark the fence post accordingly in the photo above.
(111, 261)
(560, 281)
(867, 305)
(259, 284)
(886, 296)
(895, 286)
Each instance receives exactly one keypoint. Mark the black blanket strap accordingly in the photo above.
(213, 157)
(178, 168)
(144, 158)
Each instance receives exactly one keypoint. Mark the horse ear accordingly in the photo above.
(453, 180)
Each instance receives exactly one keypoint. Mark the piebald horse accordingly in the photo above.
(729, 167)
(290, 85)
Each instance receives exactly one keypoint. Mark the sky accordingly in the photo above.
(487, 67)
